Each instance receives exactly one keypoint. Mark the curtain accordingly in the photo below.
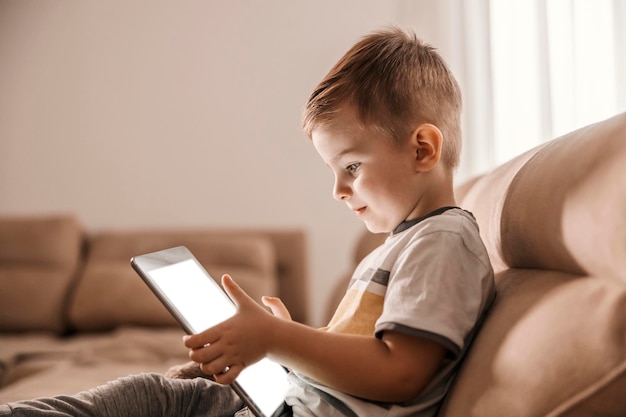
(557, 65)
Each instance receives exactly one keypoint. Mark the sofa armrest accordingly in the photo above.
(38, 259)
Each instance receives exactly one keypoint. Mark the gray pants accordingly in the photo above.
(149, 395)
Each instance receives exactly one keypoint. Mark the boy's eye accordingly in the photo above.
(352, 168)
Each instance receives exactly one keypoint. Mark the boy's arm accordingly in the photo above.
(395, 368)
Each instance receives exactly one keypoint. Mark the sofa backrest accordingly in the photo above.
(560, 206)
(109, 293)
(56, 277)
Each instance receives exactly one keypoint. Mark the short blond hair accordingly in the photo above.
(394, 82)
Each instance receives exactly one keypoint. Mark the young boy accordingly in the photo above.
(386, 122)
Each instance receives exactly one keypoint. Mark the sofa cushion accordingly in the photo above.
(559, 206)
(38, 259)
(552, 345)
(34, 365)
(110, 293)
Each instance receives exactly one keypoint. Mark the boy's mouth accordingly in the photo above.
(359, 211)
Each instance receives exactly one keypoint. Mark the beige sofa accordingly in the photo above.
(73, 313)
(554, 223)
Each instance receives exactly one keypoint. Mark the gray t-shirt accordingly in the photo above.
(431, 278)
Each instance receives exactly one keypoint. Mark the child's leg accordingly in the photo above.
(149, 395)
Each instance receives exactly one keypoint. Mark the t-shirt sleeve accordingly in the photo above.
(435, 290)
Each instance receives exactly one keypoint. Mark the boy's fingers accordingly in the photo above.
(200, 340)
(277, 306)
(234, 291)
(228, 377)
(192, 341)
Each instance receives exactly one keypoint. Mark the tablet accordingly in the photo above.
(197, 302)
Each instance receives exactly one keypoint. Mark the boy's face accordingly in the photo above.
(374, 176)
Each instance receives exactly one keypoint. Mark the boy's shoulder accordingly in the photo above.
(455, 220)
(449, 231)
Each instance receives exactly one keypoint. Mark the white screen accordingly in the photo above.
(196, 296)
(203, 304)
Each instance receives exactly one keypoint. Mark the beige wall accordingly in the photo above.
(143, 113)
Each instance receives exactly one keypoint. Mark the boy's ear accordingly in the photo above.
(427, 142)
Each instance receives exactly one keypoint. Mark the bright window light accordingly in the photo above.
(554, 69)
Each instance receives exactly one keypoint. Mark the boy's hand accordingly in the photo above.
(227, 348)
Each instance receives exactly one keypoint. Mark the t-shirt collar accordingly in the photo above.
(410, 223)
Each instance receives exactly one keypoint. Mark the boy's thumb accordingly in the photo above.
(234, 291)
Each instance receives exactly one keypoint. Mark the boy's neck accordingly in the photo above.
(439, 193)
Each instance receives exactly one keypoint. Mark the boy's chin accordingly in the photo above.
(376, 228)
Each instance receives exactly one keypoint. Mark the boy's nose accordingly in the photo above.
(341, 191)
